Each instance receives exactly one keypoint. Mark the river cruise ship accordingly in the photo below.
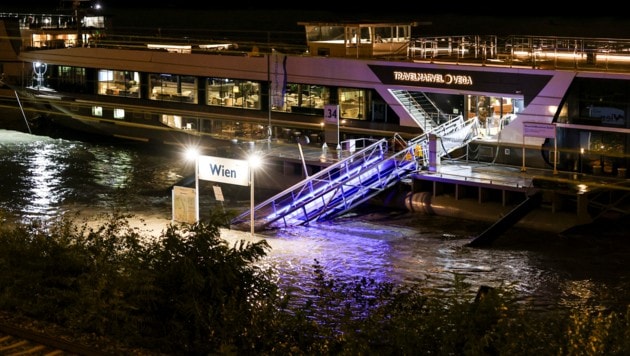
(381, 82)
(545, 102)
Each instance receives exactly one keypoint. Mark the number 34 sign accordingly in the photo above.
(331, 114)
(331, 123)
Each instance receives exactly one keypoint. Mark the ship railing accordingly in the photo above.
(514, 50)
(334, 190)
(449, 137)
(529, 51)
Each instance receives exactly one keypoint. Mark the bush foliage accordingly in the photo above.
(187, 291)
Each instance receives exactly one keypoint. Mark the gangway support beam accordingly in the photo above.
(491, 234)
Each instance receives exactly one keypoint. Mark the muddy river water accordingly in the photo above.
(43, 177)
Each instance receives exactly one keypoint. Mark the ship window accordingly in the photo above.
(97, 110)
(174, 121)
(352, 103)
(235, 93)
(303, 98)
(118, 83)
(171, 87)
(70, 77)
(119, 113)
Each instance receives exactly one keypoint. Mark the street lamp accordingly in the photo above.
(193, 153)
(254, 162)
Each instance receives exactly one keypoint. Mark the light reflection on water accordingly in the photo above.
(44, 177)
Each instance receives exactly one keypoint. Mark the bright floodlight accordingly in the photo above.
(255, 160)
(192, 153)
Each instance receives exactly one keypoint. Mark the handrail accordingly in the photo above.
(350, 181)
(596, 54)
(535, 51)
(299, 190)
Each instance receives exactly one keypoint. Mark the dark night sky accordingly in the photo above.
(489, 7)
(597, 19)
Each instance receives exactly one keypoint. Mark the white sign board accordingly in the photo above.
(218, 193)
(184, 206)
(224, 170)
(539, 129)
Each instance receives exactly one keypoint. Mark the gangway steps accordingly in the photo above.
(353, 180)
(335, 189)
(336, 196)
(352, 193)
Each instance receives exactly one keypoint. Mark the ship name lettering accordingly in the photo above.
(420, 77)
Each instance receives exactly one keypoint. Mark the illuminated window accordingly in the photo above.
(97, 110)
(119, 83)
(119, 113)
(298, 96)
(235, 93)
(174, 121)
(352, 103)
(171, 87)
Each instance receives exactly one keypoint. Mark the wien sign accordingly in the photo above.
(224, 170)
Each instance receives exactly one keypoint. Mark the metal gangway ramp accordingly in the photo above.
(333, 190)
(353, 180)
(449, 136)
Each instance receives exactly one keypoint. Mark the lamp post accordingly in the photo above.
(197, 188)
(251, 206)
(193, 153)
(254, 162)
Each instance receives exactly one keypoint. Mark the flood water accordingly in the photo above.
(43, 177)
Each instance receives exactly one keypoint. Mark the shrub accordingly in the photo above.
(187, 291)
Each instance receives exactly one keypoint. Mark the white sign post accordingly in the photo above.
(221, 170)
(224, 170)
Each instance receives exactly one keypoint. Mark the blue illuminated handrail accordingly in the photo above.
(336, 189)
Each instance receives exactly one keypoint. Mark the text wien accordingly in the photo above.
(220, 171)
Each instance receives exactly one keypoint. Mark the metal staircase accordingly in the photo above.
(421, 108)
(353, 180)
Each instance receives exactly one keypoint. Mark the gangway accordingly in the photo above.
(449, 136)
(335, 189)
(351, 181)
